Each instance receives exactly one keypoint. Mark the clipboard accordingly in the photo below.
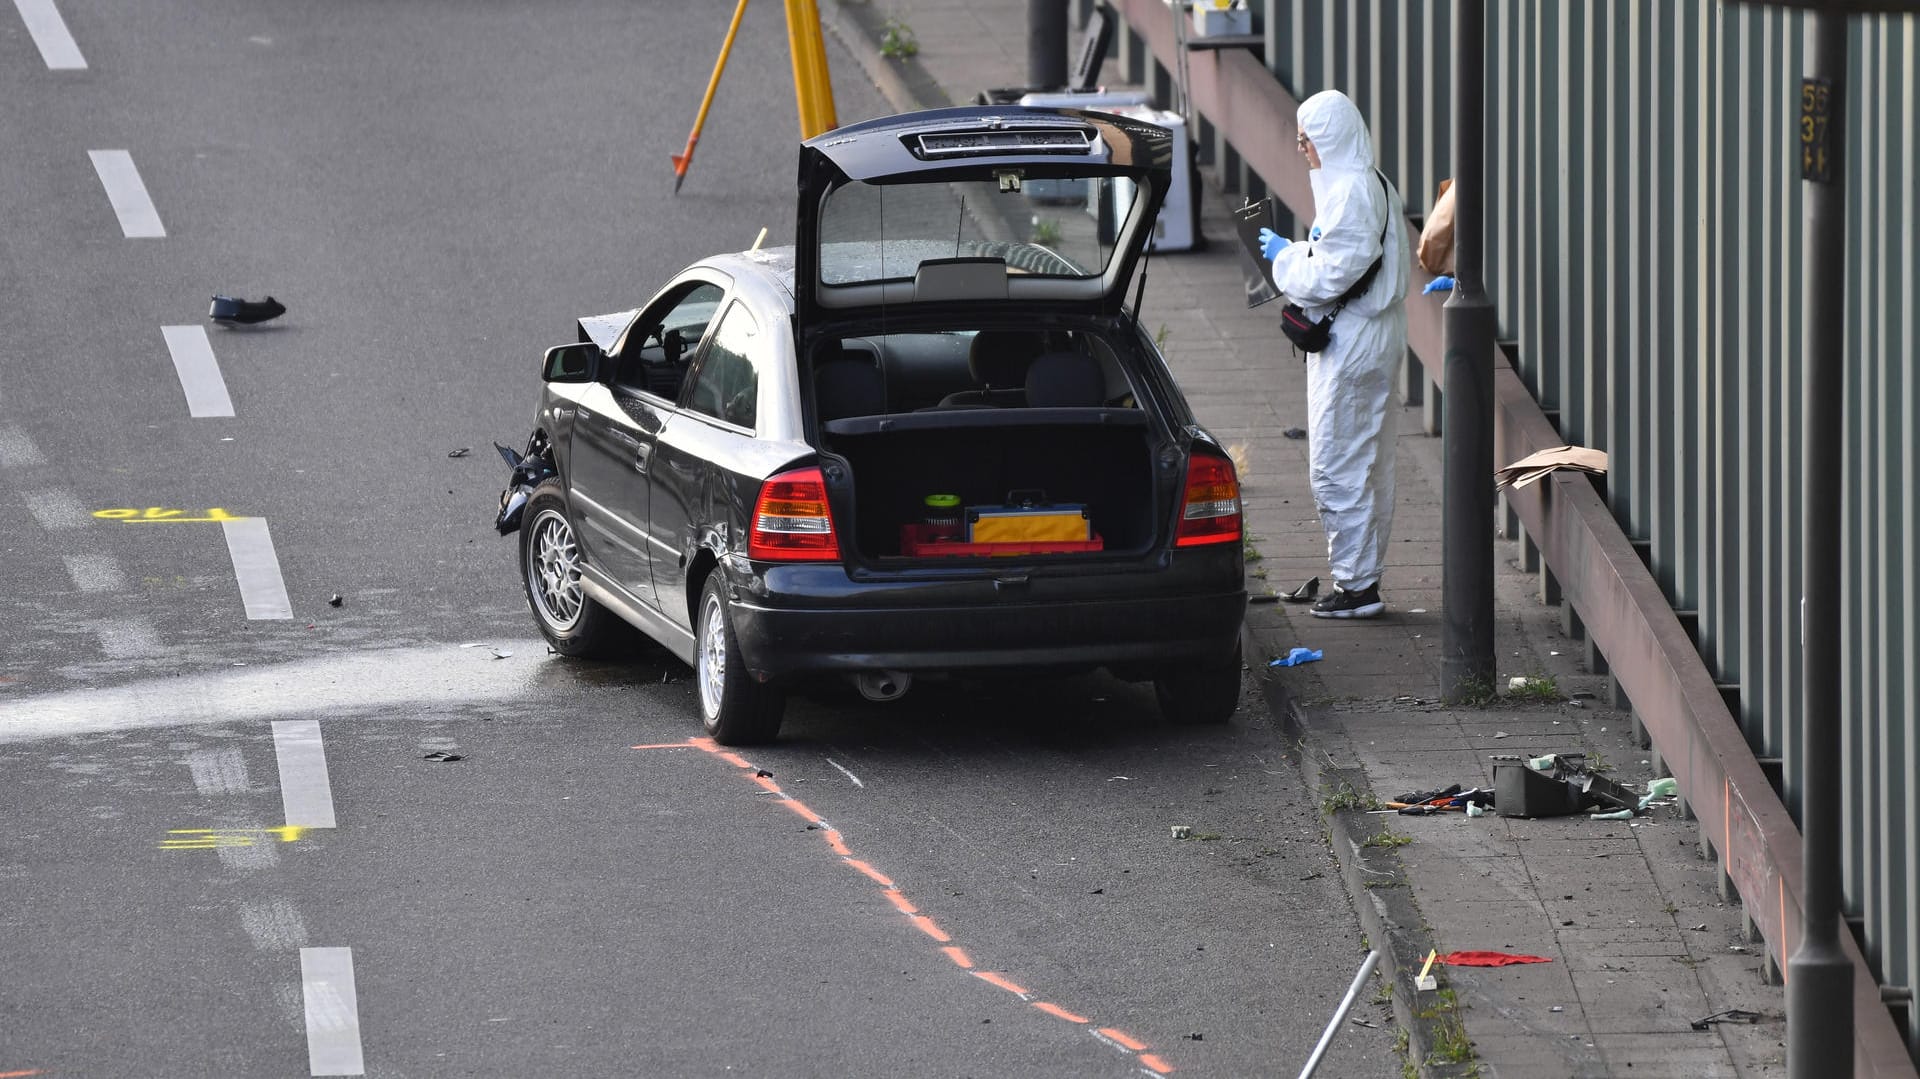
(1248, 220)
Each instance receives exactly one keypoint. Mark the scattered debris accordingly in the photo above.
(1306, 593)
(763, 773)
(1535, 465)
(1111, 779)
(1501, 734)
(500, 653)
(1294, 433)
(1731, 1015)
(1417, 610)
(335, 600)
(1490, 959)
(1182, 831)
(1263, 597)
(1196, 1036)
(1368, 1023)
(461, 452)
(1098, 891)
(1296, 657)
(1556, 1008)
(441, 756)
(1701, 928)
(229, 311)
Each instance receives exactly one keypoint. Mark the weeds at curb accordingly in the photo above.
(898, 42)
(1333, 799)
(1387, 839)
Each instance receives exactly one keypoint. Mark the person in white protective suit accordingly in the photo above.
(1358, 217)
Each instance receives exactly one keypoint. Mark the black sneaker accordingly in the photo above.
(1341, 603)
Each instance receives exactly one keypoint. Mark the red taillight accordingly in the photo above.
(1211, 513)
(790, 520)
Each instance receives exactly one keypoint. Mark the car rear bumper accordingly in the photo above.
(1140, 633)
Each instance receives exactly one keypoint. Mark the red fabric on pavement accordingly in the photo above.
(1490, 959)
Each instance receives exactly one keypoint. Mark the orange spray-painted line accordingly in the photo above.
(878, 877)
(994, 979)
(837, 842)
(19, 1075)
(1058, 1012)
(925, 925)
(656, 745)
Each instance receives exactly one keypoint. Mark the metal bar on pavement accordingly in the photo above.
(1340, 1014)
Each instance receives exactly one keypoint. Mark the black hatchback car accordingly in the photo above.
(929, 439)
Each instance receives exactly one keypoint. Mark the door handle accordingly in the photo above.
(641, 453)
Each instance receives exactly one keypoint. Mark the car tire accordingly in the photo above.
(735, 709)
(1205, 696)
(568, 618)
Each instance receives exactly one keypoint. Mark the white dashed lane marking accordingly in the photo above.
(138, 218)
(199, 372)
(95, 572)
(333, 1012)
(305, 791)
(257, 568)
(57, 511)
(50, 33)
(18, 451)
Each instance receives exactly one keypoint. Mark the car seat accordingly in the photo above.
(998, 361)
(848, 383)
(1066, 380)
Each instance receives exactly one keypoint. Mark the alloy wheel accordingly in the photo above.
(713, 656)
(553, 571)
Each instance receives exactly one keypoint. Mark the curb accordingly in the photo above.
(1377, 884)
(903, 82)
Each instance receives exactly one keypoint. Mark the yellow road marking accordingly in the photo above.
(163, 515)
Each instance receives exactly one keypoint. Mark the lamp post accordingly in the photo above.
(1467, 321)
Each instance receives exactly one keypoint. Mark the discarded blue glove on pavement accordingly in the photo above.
(1296, 657)
(1443, 283)
(1270, 243)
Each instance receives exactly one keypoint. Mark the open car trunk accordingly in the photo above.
(1021, 477)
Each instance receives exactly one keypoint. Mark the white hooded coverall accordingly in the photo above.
(1349, 384)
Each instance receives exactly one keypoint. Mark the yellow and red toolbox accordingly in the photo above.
(1026, 524)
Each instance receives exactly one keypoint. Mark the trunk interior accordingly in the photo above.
(1100, 460)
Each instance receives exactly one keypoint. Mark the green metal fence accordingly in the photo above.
(1645, 257)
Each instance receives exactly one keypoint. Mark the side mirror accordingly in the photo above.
(572, 363)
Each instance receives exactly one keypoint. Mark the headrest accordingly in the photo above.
(1066, 380)
(998, 359)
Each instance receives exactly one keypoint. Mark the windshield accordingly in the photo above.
(1054, 228)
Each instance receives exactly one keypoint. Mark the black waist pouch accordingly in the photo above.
(1306, 334)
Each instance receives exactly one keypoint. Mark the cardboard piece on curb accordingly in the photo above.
(1535, 465)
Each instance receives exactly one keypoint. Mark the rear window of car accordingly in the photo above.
(1053, 228)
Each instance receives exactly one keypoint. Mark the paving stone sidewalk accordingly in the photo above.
(1640, 941)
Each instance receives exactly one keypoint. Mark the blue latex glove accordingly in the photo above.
(1296, 657)
(1438, 284)
(1270, 243)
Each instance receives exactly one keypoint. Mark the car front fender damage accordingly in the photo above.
(529, 469)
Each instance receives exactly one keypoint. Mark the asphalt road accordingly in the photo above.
(225, 852)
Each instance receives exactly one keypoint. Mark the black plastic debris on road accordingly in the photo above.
(1294, 432)
(1731, 1015)
(461, 452)
(1306, 593)
(231, 311)
(441, 756)
(335, 600)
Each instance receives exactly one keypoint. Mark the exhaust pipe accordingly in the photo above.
(882, 685)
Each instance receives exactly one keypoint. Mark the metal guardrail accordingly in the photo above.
(1649, 294)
